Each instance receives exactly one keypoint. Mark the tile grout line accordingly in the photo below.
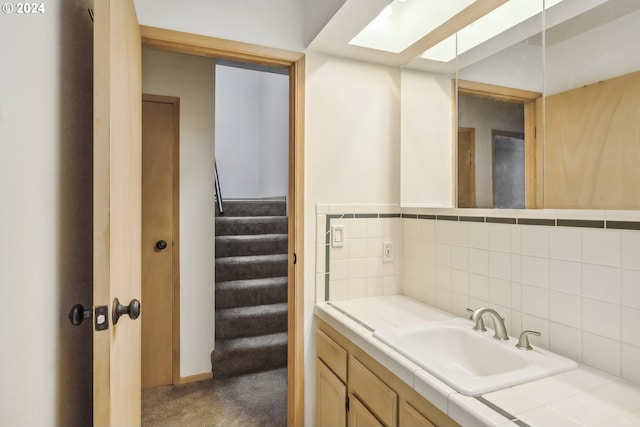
(501, 411)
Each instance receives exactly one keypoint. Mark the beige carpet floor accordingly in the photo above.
(253, 400)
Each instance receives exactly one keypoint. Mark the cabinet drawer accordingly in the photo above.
(376, 395)
(334, 356)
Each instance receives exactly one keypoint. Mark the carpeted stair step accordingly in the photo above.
(254, 208)
(251, 321)
(249, 354)
(250, 267)
(226, 226)
(242, 293)
(260, 244)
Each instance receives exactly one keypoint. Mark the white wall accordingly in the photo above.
(276, 23)
(191, 79)
(427, 147)
(352, 155)
(274, 149)
(519, 66)
(287, 24)
(46, 218)
(237, 133)
(252, 133)
(316, 15)
(605, 52)
(352, 131)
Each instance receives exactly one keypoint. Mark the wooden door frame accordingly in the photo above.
(191, 44)
(472, 132)
(532, 102)
(175, 324)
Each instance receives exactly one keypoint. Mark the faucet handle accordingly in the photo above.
(523, 341)
(480, 325)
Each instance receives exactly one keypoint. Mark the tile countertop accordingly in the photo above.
(581, 397)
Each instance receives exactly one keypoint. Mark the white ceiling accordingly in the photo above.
(356, 14)
(327, 26)
(283, 24)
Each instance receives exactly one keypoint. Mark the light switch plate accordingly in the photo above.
(337, 236)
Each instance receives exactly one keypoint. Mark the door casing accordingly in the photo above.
(466, 168)
(191, 44)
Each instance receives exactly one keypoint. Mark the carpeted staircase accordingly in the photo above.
(251, 288)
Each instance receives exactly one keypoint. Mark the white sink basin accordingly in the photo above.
(472, 362)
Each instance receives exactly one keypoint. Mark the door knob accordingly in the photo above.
(133, 309)
(161, 244)
(78, 314)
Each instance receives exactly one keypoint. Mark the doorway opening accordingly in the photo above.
(508, 169)
(251, 155)
(499, 159)
(209, 48)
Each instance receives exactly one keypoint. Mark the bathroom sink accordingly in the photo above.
(472, 362)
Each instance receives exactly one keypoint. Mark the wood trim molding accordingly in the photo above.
(295, 356)
(192, 44)
(454, 142)
(497, 92)
(197, 377)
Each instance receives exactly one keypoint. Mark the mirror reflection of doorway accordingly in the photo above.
(466, 168)
(482, 178)
(508, 169)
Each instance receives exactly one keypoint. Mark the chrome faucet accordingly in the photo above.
(523, 342)
(498, 322)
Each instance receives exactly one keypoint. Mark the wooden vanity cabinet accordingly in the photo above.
(354, 390)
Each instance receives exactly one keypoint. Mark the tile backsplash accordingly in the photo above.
(356, 269)
(577, 281)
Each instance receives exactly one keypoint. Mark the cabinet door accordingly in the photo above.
(331, 394)
(409, 417)
(379, 398)
(359, 415)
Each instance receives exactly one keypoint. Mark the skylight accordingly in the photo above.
(490, 25)
(404, 22)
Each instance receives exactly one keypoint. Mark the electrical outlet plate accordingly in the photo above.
(387, 252)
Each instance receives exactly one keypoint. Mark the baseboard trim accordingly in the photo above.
(198, 377)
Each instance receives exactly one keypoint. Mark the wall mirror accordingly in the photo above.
(592, 107)
(500, 86)
(577, 148)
